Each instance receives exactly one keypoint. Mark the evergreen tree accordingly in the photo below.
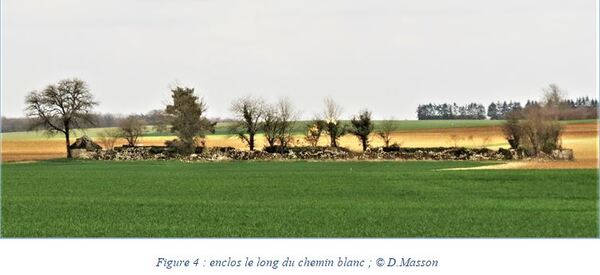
(186, 115)
(492, 111)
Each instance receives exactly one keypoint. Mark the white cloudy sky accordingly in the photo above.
(387, 56)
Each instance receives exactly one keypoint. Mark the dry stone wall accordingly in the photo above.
(318, 153)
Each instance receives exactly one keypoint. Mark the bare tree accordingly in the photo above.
(333, 111)
(541, 129)
(386, 128)
(553, 95)
(286, 116)
(537, 127)
(362, 126)
(248, 112)
(334, 127)
(108, 138)
(532, 127)
(553, 101)
(270, 125)
(132, 128)
(60, 108)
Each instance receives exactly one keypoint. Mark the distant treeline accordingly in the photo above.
(451, 111)
(579, 108)
(154, 117)
(14, 124)
(497, 110)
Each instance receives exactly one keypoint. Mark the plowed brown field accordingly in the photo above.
(582, 138)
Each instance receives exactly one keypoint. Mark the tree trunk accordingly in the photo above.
(333, 140)
(271, 142)
(251, 142)
(68, 141)
(364, 144)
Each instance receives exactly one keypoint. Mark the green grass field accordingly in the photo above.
(300, 128)
(294, 199)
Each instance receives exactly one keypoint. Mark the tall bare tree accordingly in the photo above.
(61, 107)
(248, 112)
(286, 115)
(553, 101)
(334, 127)
(270, 124)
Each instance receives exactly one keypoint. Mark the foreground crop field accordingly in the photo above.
(294, 199)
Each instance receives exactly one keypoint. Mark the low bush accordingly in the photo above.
(183, 148)
(392, 148)
(276, 149)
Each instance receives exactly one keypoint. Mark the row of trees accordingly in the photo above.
(578, 108)
(277, 122)
(67, 105)
(499, 110)
(361, 126)
(451, 111)
(62, 107)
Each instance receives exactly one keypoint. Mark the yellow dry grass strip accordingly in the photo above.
(509, 165)
(584, 164)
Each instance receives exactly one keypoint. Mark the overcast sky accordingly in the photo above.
(387, 56)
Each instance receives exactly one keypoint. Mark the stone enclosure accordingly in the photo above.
(86, 149)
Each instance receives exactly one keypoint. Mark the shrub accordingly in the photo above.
(183, 148)
(108, 138)
(392, 148)
(132, 129)
(276, 149)
(512, 129)
(541, 129)
(314, 130)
